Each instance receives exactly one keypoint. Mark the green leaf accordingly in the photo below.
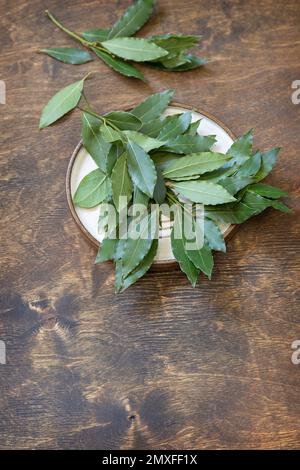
(250, 205)
(203, 192)
(267, 191)
(93, 189)
(152, 128)
(179, 251)
(174, 126)
(175, 43)
(118, 275)
(190, 144)
(268, 160)
(153, 106)
(195, 164)
(109, 134)
(133, 19)
(120, 181)
(172, 61)
(256, 202)
(234, 183)
(96, 35)
(68, 55)
(278, 205)
(241, 149)
(186, 178)
(193, 127)
(214, 236)
(114, 153)
(136, 49)
(202, 259)
(119, 65)
(136, 248)
(163, 160)
(141, 168)
(93, 142)
(103, 220)
(106, 250)
(191, 62)
(251, 166)
(159, 193)
(147, 143)
(107, 222)
(142, 268)
(230, 213)
(61, 103)
(124, 120)
(139, 197)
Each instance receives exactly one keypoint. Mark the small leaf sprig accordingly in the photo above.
(145, 157)
(115, 46)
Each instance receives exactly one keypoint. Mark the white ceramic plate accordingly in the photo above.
(83, 164)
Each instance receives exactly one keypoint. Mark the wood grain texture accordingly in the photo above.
(161, 366)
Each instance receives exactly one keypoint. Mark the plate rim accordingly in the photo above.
(161, 263)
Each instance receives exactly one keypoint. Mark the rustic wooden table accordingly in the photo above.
(162, 366)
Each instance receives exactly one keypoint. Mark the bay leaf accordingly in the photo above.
(119, 65)
(137, 49)
(153, 106)
(109, 134)
(118, 275)
(123, 120)
(159, 193)
(171, 61)
(251, 166)
(93, 189)
(250, 205)
(230, 213)
(152, 128)
(133, 19)
(193, 127)
(179, 251)
(268, 160)
(93, 141)
(174, 126)
(106, 250)
(241, 149)
(163, 160)
(278, 205)
(136, 248)
(256, 202)
(147, 143)
(235, 183)
(61, 103)
(202, 259)
(139, 197)
(96, 35)
(203, 192)
(267, 190)
(175, 43)
(142, 267)
(141, 168)
(190, 144)
(195, 164)
(115, 151)
(68, 55)
(191, 62)
(120, 180)
(213, 235)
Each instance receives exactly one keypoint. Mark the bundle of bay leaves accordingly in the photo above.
(144, 157)
(115, 46)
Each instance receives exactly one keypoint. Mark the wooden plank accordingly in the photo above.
(162, 366)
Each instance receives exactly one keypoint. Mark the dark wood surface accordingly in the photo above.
(162, 366)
